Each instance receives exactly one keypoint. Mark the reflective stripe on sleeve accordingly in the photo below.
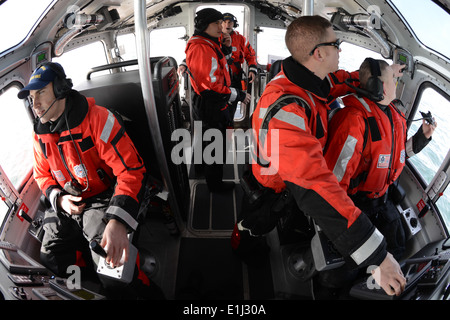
(371, 244)
(122, 214)
(233, 95)
(213, 69)
(262, 112)
(409, 148)
(344, 157)
(291, 118)
(107, 129)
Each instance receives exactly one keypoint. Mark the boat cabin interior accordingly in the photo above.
(126, 55)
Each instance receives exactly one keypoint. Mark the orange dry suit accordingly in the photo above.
(107, 156)
(366, 151)
(368, 147)
(290, 148)
(210, 77)
(241, 51)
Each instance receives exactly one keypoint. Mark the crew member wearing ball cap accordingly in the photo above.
(89, 170)
(241, 51)
(210, 78)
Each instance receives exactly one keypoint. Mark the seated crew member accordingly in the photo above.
(88, 168)
(298, 130)
(210, 79)
(368, 146)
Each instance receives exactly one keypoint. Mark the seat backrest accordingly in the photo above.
(122, 93)
(274, 69)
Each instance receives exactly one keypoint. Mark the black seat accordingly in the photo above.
(274, 69)
(122, 93)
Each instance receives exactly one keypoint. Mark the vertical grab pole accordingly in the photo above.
(145, 74)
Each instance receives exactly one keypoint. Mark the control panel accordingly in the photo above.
(41, 56)
(325, 255)
(427, 278)
(22, 278)
(403, 57)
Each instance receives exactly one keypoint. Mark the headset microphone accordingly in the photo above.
(39, 118)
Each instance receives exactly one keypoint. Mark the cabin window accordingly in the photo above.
(271, 46)
(79, 61)
(429, 160)
(127, 47)
(16, 156)
(168, 42)
(3, 211)
(351, 56)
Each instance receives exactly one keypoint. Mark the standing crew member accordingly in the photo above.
(290, 137)
(89, 169)
(210, 79)
(241, 51)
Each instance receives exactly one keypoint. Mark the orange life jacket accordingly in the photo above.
(366, 149)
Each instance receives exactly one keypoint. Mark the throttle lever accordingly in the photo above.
(97, 248)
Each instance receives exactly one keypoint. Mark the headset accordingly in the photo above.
(61, 88)
(374, 86)
(233, 18)
(200, 24)
(61, 84)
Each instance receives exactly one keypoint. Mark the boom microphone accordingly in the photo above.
(39, 118)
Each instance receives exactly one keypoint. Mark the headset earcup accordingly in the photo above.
(57, 87)
(199, 24)
(375, 86)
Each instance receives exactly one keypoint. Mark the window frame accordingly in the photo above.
(413, 113)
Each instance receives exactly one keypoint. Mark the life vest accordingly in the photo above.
(241, 51)
(293, 149)
(288, 104)
(207, 66)
(366, 157)
(108, 158)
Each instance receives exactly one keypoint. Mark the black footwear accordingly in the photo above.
(254, 251)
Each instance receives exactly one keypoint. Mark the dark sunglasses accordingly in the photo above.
(336, 44)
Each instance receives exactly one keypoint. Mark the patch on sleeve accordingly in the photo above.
(59, 176)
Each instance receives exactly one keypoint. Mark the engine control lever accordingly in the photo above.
(97, 248)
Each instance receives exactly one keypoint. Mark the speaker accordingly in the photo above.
(374, 85)
(61, 84)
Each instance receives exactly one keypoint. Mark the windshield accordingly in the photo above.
(429, 22)
(18, 17)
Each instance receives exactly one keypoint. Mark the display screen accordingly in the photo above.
(402, 58)
(41, 57)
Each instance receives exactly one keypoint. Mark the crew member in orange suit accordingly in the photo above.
(210, 78)
(241, 52)
(291, 129)
(89, 170)
(368, 146)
